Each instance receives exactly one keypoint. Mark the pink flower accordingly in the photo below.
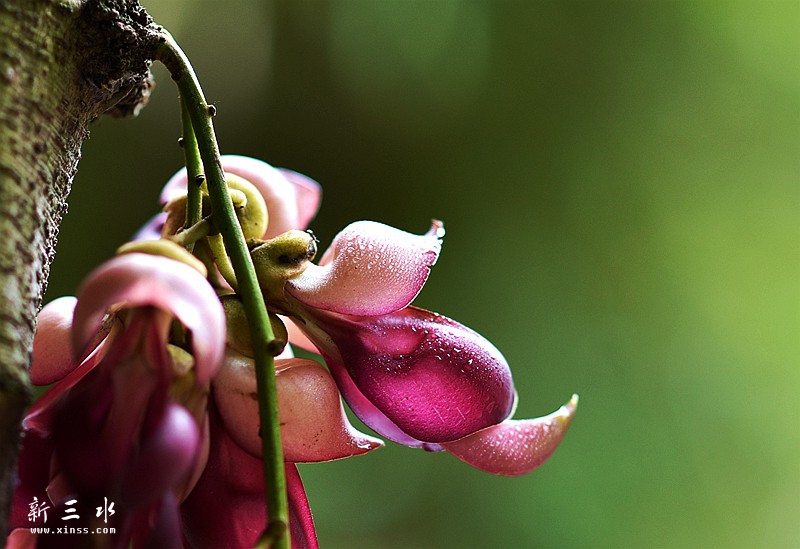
(128, 416)
(292, 199)
(109, 427)
(413, 376)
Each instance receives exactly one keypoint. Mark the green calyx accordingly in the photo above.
(282, 258)
(238, 333)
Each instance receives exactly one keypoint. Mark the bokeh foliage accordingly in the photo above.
(620, 184)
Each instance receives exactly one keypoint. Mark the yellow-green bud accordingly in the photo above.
(281, 258)
(184, 388)
(166, 248)
(238, 335)
(251, 210)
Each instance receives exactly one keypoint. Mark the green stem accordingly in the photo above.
(194, 170)
(188, 237)
(225, 220)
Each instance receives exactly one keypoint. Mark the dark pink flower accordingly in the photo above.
(109, 427)
(415, 377)
(128, 416)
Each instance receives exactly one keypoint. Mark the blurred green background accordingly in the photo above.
(620, 184)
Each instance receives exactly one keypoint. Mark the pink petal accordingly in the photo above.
(313, 423)
(137, 280)
(431, 377)
(515, 447)
(52, 356)
(40, 416)
(152, 229)
(226, 508)
(292, 199)
(309, 196)
(297, 337)
(370, 269)
(22, 538)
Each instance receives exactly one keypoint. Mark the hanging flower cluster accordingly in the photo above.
(153, 404)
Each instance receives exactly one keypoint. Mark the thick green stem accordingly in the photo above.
(225, 220)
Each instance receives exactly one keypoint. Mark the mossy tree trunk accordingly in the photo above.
(63, 63)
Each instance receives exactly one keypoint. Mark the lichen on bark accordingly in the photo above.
(63, 63)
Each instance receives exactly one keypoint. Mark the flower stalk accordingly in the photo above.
(224, 218)
(194, 171)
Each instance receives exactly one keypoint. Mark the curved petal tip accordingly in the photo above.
(136, 280)
(52, 356)
(515, 447)
(370, 269)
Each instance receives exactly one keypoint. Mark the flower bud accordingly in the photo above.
(166, 248)
(238, 334)
(251, 210)
(282, 258)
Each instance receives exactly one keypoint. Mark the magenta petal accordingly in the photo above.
(40, 416)
(370, 269)
(33, 476)
(515, 447)
(136, 280)
(226, 508)
(301, 523)
(433, 378)
(162, 528)
(314, 426)
(164, 459)
(52, 356)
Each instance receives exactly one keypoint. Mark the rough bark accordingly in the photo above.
(62, 64)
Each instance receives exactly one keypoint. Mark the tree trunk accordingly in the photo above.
(62, 64)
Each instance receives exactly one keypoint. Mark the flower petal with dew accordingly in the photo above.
(136, 280)
(314, 426)
(370, 269)
(414, 376)
(515, 447)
